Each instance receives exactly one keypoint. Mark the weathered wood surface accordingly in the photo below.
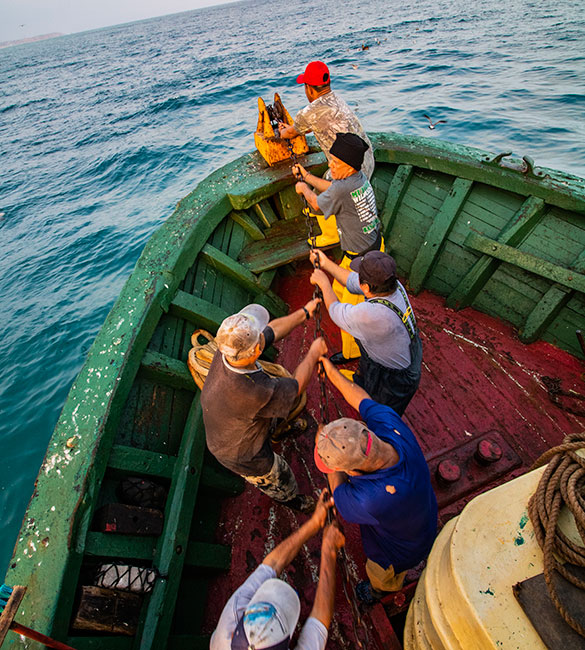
(107, 610)
(516, 230)
(122, 519)
(285, 242)
(134, 396)
(9, 612)
(533, 596)
(564, 190)
(438, 232)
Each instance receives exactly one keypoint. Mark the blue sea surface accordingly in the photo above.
(103, 132)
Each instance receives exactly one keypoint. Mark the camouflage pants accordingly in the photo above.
(279, 484)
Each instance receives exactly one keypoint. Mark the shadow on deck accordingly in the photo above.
(479, 382)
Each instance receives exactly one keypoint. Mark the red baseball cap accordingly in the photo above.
(316, 74)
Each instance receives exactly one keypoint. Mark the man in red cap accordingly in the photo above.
(325, 116)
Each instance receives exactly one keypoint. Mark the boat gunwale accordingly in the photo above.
(90, 421)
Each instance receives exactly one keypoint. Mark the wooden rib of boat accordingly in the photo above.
(467, 229)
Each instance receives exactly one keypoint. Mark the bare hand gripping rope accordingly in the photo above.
(362, 640)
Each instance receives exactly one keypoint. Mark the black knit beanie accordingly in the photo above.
(350, 148)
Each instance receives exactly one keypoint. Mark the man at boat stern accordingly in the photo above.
(380, 480)
(264, 611)
(326, 115)
(241, 402)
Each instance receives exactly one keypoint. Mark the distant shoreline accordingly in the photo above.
(32, 39)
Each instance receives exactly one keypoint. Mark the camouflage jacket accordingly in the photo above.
(328, 115)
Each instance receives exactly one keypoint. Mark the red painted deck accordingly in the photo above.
(477, 378)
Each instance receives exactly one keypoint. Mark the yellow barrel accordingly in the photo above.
(464, 597)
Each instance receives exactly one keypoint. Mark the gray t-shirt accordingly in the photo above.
(353, 203)
(377, 327)
(238, 409)
(327, 116)
(313, 635)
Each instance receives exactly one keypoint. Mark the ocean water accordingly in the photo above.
(103, 132)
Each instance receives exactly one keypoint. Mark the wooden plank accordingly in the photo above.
(208, 556)
(170, 553)
(107, 610)
(169, 372)
(139, 461)
(531, 263)
(124, 519)
(549, 306)
(97, 642)
(265, 279)
(286, 242)
(517, 229)
(264, 210)
(543, 314)
(198, 311)
(261, 182)
(290, 203)
(131, 547)
(438, 233)
(243, 220)
(188, 642)
(458, 160)
(534, 597)
(219, 479)
(398, 188)
(164, 402)
(9, 612)
(232, 269)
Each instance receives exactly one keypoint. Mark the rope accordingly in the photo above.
(555, 391)
(562, 484)
(348, 587)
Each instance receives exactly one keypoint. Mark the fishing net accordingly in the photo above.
(137, 491)
(123, 577)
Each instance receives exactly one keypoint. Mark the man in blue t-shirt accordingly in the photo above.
(380, 480)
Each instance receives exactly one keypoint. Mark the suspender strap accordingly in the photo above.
(406, 317)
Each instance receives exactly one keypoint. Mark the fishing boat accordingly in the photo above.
(491, 248)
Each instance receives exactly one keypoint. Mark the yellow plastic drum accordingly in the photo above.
(464, 598)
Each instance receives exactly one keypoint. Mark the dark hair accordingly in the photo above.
(319, 88)
(382, 289)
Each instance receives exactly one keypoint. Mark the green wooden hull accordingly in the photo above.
(508, 242)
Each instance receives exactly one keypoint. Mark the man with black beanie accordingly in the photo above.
(350, 197)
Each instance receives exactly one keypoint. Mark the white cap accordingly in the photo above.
(270, 617)
(238, 334)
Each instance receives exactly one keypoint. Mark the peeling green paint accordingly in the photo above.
(523, 521)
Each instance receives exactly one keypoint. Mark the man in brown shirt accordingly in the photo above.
(241, 401)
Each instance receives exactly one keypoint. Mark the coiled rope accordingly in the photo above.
(562, 484)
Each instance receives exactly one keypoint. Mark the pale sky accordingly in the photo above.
(26, 18)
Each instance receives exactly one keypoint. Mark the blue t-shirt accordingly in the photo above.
(395, 507)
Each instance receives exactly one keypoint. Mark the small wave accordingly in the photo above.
(567, 99)
(5, 109)
(171, 104)
(102, 136)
